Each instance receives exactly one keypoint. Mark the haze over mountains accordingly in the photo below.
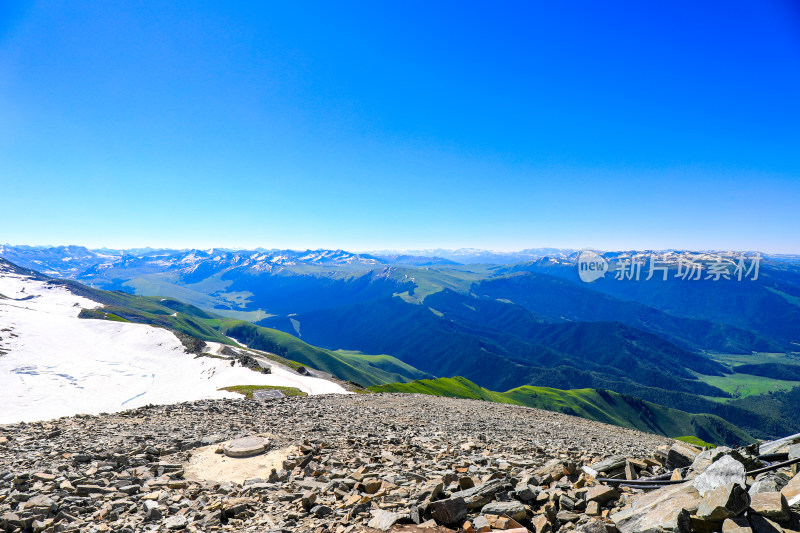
(501, 320)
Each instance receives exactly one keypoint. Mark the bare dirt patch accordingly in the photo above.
(205, 464)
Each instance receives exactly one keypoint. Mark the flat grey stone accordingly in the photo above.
(768, 482)
(681, 455)
(177, 521)
(794, 451)
(723, 502)
(480, 495)
(667, 509)
(268, 394)
(514, 510)
(773, 505)
(384, 520)
(614, 462)
(245, 447)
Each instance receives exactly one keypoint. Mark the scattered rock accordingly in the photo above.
(773, 505)
(384, 520)
(768, 482)
(723, 502)
(736, 525)
(449, 512)
(602, 494)
(725, 471)
(681, 455)
(177, 521)
(593, 526)
(348, 463)
(792, 492)
(152, 510)
(668, 508)
(514, 510)
(321, 511)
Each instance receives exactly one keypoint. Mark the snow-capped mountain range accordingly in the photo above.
(78, 262)
(477, 255)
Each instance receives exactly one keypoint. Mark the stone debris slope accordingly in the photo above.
(355, 459)
(347, 463)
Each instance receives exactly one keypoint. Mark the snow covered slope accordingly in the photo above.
(54, 364)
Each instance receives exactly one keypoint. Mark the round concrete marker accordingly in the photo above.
(245, 447)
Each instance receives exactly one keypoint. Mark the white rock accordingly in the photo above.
(725, 470)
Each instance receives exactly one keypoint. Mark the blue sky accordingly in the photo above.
(401, 125)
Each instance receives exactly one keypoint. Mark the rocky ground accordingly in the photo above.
(351, 463)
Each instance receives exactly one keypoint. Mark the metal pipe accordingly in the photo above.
(768, 447)
(774, 456)
(774, 467)
(633, 482)
(644, 487)
(662, 479)
(659, 477)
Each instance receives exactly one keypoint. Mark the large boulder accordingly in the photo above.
(773, 505)
(724, 471)
(681, 455)
(723, 502)
(615, 462)
(450, 512)
(478, 496)
(792, 492)
(668, 509)
(708, 457)
(602, 494)
(768, 482)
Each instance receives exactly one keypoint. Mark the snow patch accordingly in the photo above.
(60, 365)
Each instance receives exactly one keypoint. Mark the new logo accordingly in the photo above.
(591, 266)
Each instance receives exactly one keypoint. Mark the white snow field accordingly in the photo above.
(57, 364)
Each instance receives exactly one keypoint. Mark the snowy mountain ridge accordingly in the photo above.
(76, 262)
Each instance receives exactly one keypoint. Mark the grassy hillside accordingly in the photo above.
(594, 404)
(742, 384)
(163, 312)
(187, 319)
(366, 370)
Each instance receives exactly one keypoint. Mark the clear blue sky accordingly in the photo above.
(401, 124)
